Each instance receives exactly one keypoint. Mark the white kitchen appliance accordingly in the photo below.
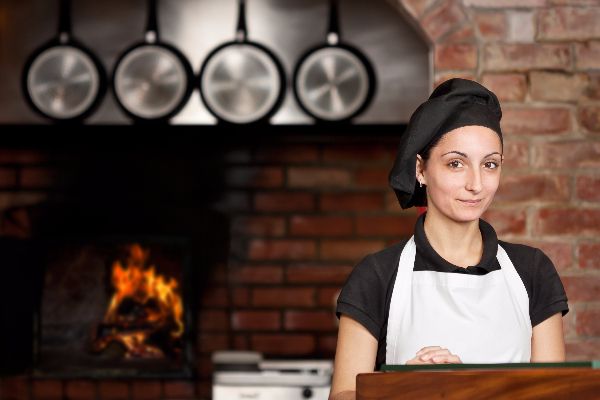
(246, 375)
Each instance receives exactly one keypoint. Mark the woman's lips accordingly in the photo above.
(470, 202)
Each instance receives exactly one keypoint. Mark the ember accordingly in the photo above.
(145, 314)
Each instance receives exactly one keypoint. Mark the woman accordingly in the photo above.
(453, 292)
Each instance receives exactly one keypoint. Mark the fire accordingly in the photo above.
(145, 312)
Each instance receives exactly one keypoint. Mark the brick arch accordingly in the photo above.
(450, 32)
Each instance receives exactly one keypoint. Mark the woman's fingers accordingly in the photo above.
(428, 349)
(437, 355)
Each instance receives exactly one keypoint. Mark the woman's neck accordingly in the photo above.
(459, 243)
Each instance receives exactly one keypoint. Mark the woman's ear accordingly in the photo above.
(420, 168)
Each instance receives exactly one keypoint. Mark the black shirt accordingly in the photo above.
(367, 292)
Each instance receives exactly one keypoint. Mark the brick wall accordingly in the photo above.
(303, 214)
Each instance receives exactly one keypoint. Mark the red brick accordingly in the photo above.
(588, 255)
(240, 297)
(8, 178)
(533, 188)
(516, 155)
(507, 222)
(113, 390)
(14, 388)
(573, 2)
(83, 390)
(318, 273)
(318, 177)
(18, 156)
(209, 342)
(589, 118)
(386, 225)
(592, 91)
(443, 76)
(35, 177)
(563, 221)
(560, 253)
(464, 34)
(327, 297)
(416, 8)
(327, 345)
(287, 154)
(179, 389)
(205, 366)
(370, 201)
(500, 4)
(214, 297)
(572, 154)
(491, 25)
(241, 342)
(583, 350)
(508, 87)
(587, 55)
(280, 344)
(535, 121)
(568, 23)
(526, 56)
(258, 226)
(254, 177)
(281, 249)
(146, 390)
(456, 56)
(213, 321)
(284, 201)
(588, 188)
(442, 18)
(256, 274)
(582, 288)
(557, 86)
(310, 321)
(349, 250)
(47, 389)
(256, 320)
(307, 225)
(372, 177)
(284, 297)
(588, 322)
(356, 153)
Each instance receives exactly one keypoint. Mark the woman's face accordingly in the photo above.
(462, 173)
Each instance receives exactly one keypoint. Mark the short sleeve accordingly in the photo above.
(363, 296)
(548, 295)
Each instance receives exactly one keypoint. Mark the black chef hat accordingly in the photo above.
(453, 104)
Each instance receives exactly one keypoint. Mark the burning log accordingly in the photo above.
(145, 314)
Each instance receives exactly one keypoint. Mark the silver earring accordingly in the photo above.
(420, 184)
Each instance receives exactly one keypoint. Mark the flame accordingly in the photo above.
(157, 295)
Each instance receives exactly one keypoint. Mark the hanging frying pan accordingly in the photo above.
(152, 80)
(62, 79)
(241, 81)
(334, 81)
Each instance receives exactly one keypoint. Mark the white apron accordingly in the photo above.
(480, 318)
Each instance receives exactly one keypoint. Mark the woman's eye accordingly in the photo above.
(491, 164)
(455, 164)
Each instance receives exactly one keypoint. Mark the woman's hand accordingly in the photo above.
(434, 355)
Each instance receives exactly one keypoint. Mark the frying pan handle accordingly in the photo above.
(64, 20)
(333, 33)
(241, 32)
(152, 26)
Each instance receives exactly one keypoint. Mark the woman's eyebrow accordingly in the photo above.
(466, 156)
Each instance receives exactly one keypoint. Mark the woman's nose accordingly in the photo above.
(473, 183)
